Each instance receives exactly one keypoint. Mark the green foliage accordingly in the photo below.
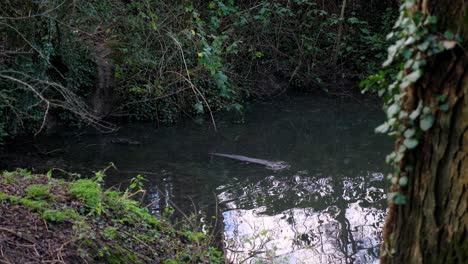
(89, 192)
(38, 191)
(123, 232)
(60, 215)
(34, 205)
(172, 57)
(110, 233)
(15, 199)
(46, 55)
(137, 183)
(416, 40)
(3, 197)
(3, 132)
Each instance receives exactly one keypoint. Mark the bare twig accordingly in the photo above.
(69, 101)
(189, 80)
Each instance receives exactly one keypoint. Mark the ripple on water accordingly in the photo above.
(347, 230)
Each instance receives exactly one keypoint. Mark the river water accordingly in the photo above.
(328, 206)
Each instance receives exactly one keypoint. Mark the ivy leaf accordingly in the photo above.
(402, 149)
(409, 133)
(407, 53)
(198, 107)
(399, 198)
(426, 110)
(410, 40)
(414, 76)
(416, 112)
(403, 181)
(409, 63)
(417, 17)
(393, 110)
(410, 143)
(381, 92)
(391, 195)
(448, 35)
(392, 51)
(432, 19)
(382, 128)
(426, 122)
(423, 46)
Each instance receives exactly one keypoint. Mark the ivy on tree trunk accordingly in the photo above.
(431, 225)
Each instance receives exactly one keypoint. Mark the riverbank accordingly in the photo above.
(44, 219)
(159, 61)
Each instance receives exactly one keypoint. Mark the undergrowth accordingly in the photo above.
(161, 60)
(47, 219)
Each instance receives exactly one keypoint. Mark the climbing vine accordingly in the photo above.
(415, 41)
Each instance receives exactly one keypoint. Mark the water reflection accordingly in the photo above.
(347, 230)
(327, 207)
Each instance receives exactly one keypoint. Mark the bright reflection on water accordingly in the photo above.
(345, 231)
(327, 207)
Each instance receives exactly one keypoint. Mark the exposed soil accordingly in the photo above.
(26, 238)
(59, 227)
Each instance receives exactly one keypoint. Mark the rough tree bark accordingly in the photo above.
(432, 226)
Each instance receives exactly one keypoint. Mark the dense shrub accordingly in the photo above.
(78, 62)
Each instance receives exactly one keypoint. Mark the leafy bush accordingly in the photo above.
(87, 191)
(38, 191)
(159, 59)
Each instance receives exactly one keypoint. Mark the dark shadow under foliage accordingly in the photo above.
(83, 62)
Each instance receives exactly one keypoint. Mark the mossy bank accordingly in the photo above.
(44, 219)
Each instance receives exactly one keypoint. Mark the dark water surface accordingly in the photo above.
(328, 206)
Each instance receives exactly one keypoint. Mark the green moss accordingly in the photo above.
(145, 238)
(25, 173)
(38, 191)
(3, 197)
(110, 233)
(8, 177)
(118, 255)
(87, 191)
(15, 199)
(60, 215)
(34, 205)
(113, 195)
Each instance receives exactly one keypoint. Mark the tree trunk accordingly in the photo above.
(102, 96)
(432, 226)
(339, 34)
